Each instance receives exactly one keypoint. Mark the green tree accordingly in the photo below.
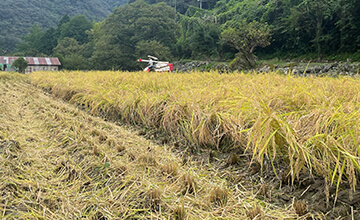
(64, 20)
(154, 48)
(182, 6)
(152, 22)
(39, 43)
(349, 25)
(200, 36)
(31, 43)
(67, 46)
(75, 62)
(48, 41)
(72, 54)
(246, 37)
(76, 28)
(115, 41)
(20, 64)
(110, 53)
(310, 20)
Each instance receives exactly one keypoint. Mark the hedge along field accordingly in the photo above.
(309, 124)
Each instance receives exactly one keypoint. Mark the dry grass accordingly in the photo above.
(219, 196)
(57, 162)
(310, 124)
(180, 212)
(154, 198)
(255, 213)
(300, 207)
(189, 184)
(170, 169)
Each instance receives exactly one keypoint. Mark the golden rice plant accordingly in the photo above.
(311, 124)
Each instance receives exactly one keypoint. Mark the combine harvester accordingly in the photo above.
(156, 65)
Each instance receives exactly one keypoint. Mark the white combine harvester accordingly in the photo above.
(156, 65)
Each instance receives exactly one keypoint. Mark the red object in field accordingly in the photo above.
(139, 60)
(170, 66)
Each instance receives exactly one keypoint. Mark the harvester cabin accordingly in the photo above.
(34, 64)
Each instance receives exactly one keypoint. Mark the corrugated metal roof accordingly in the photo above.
(48, 61)
(34, 61)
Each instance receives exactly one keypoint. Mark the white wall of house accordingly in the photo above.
(31, 69)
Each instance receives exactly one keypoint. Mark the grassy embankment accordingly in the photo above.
(309, 124)
(58, 162)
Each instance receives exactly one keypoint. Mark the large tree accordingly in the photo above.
(119, 34)
(21, 64)
(246, 37)
(312, 22)
(48, 41)
(200, 35)
(349, 25)
(154, 48)
(71, 54)
(76, 28)
(31, 43)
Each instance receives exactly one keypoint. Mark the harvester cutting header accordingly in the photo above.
(156, 65)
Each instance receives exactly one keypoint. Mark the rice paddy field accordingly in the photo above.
(133, 145)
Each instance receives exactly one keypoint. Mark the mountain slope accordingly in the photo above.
(18, 16)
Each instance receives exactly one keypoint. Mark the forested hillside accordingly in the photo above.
(18, 16)
(312, 28)
(222, 30)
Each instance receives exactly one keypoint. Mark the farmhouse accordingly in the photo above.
(34, 64)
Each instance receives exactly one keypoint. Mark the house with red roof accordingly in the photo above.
(34, 64)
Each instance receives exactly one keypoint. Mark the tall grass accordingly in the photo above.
(310, 124)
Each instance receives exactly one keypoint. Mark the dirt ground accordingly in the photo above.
(58, 162)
